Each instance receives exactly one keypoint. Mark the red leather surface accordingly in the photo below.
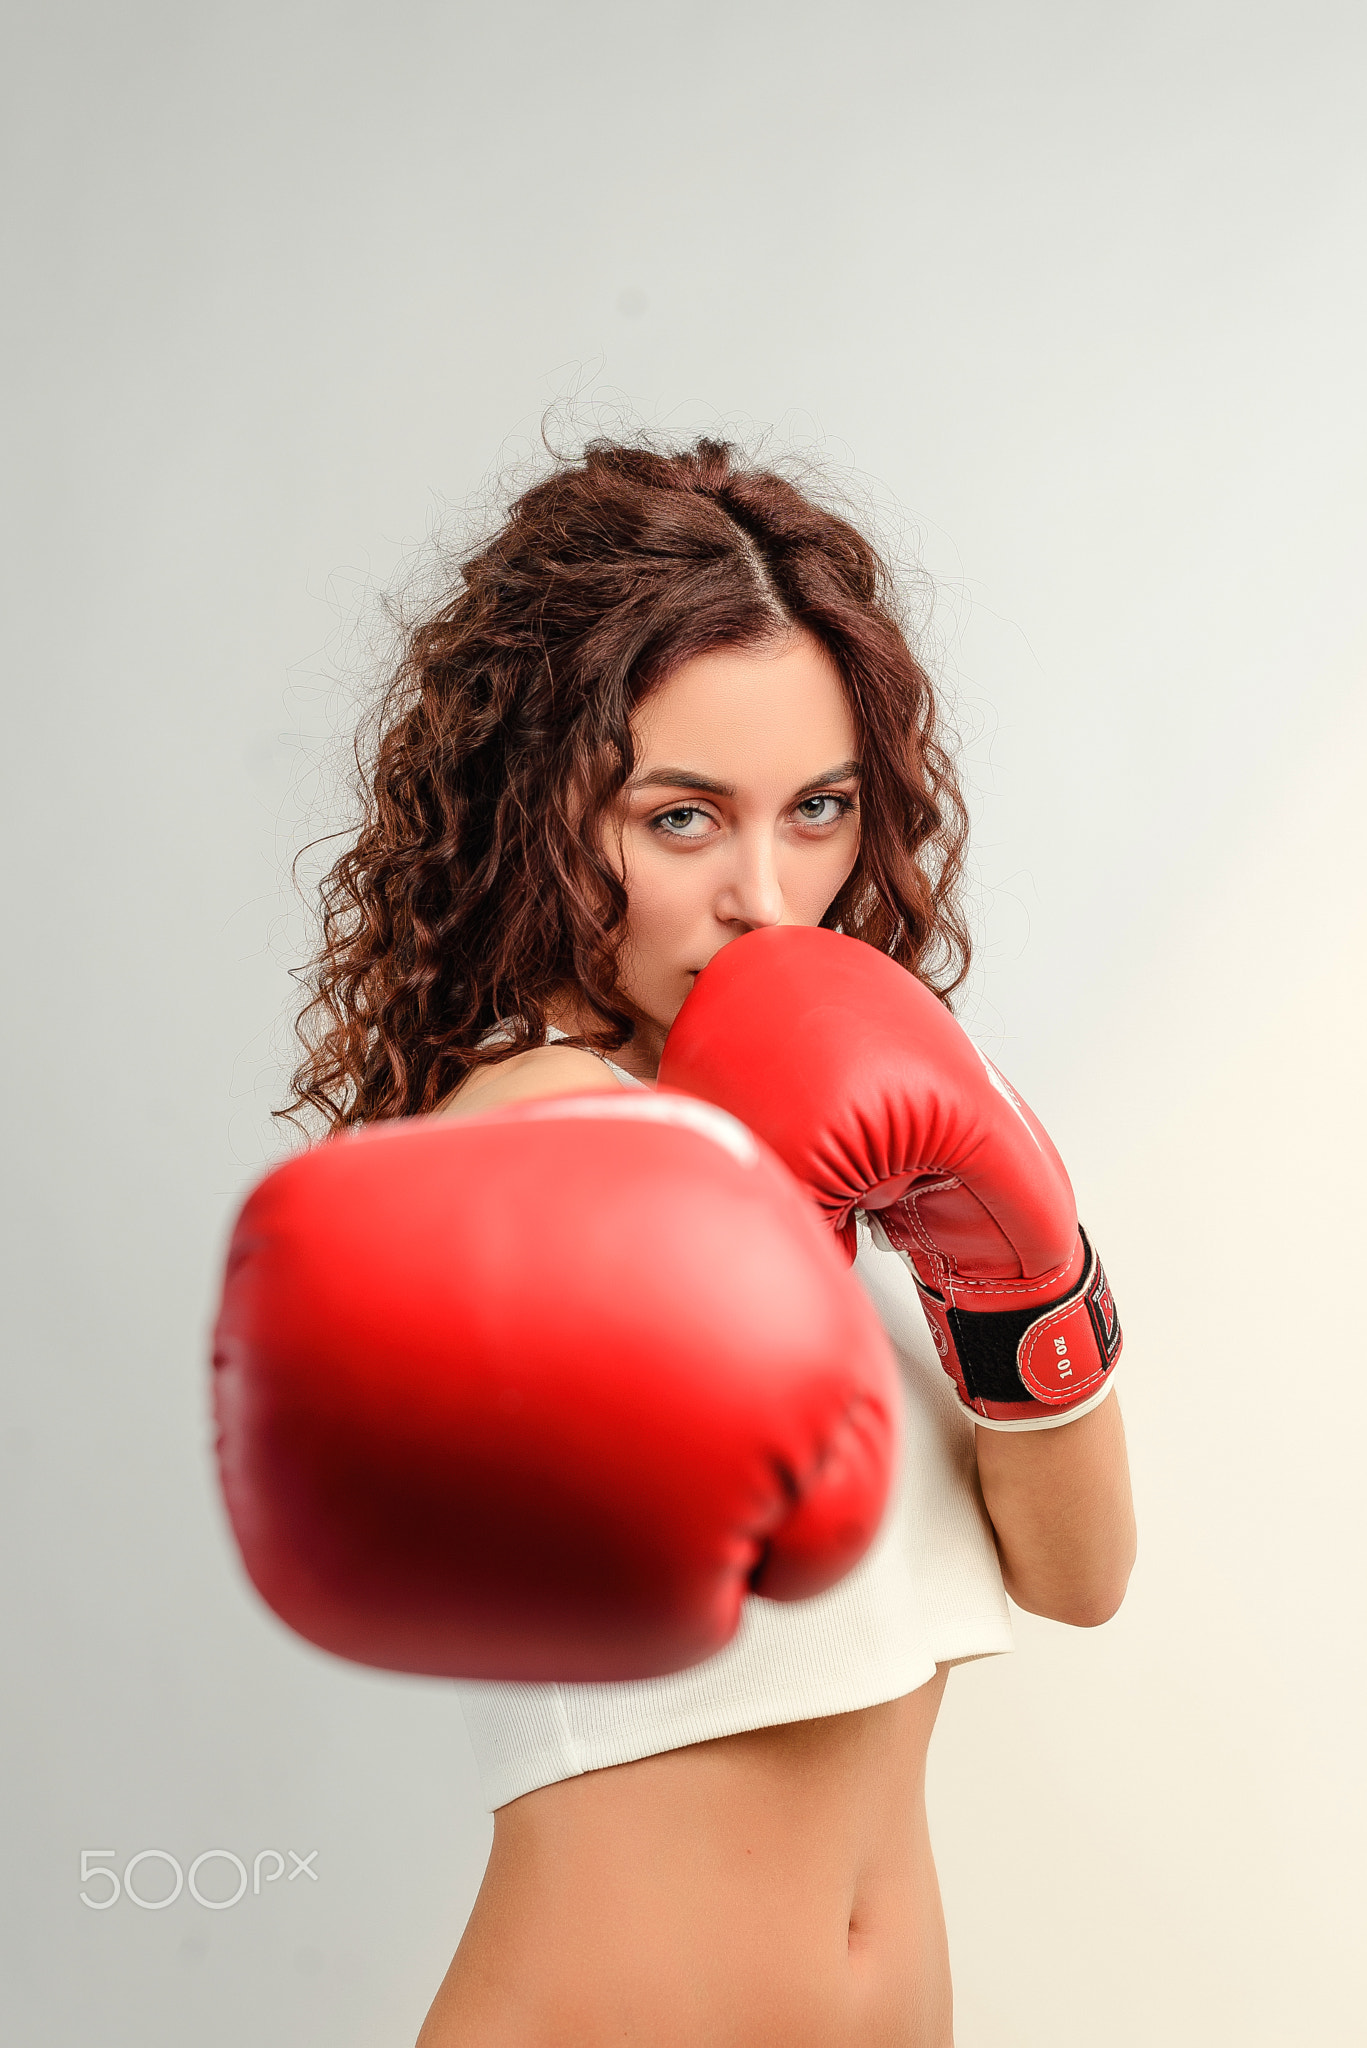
(533, 1394)
(857, 1076)
(876, 1098)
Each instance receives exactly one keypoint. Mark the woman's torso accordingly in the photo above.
(771, 1887)
(772, 1884)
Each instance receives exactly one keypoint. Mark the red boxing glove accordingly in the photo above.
(542, 1393)
(866, 1087)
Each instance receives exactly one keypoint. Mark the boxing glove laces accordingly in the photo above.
(877, 1099)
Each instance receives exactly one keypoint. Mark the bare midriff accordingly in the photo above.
(775, 1887)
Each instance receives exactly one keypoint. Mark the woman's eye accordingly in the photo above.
(685, 822)
(823, 810)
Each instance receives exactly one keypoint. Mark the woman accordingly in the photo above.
(669, 705)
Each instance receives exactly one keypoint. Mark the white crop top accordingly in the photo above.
(927, 1592)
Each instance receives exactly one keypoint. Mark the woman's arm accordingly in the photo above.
(1060, 1504)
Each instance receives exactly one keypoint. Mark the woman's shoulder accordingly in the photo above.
(544, 1070)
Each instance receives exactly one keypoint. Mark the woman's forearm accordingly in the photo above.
(1060, 1504)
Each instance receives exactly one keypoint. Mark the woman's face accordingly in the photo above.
(743, 811)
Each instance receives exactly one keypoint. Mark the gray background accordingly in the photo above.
(1072, 297)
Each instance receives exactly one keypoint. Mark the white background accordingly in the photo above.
(1074, 295)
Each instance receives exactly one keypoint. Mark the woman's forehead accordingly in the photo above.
(734, 712)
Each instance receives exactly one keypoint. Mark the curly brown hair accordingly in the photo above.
(478, 886)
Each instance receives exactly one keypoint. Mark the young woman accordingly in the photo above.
(667, 706)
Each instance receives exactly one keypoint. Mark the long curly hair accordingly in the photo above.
(478, 885)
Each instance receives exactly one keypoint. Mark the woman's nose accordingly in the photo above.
(753, 893)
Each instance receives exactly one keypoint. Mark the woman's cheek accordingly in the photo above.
(649, 910)
(662, 911)
(812, 883)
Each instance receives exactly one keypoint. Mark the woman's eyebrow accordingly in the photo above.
(682, 778)
(690, 778)
(844, 771)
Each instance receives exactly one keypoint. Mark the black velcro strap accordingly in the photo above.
(987, 1343)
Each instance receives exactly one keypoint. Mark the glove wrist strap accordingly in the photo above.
(1028, 1367)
